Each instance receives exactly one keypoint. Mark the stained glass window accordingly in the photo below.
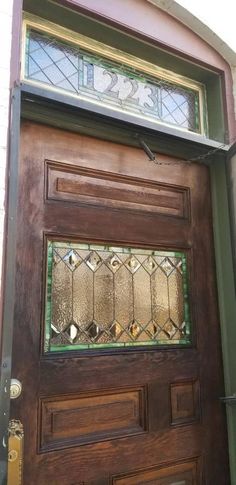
(103, 296)
(67, 67)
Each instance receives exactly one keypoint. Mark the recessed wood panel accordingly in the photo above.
(97, 187)
(185, 404)
(86, 418)
(176, 474)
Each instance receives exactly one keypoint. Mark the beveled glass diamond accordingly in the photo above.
(166, 266)
(152, 329)
(93, 261)
(115, 330)
(134, 329)
(94, 330)
(169, 329)
(150, 265)
(132, 264)
(72, 259)
(114, 263)
(54, 330)
(71, 332)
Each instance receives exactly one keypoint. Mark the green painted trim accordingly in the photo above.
(226, 295)
(156, 343)
(9, 282)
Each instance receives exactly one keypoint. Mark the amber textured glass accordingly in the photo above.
(103, 296)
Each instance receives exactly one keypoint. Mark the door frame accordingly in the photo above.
(218, 163)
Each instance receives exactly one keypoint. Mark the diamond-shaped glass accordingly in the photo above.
(54, 330)
(132, 264)
(72, 259)
(114, 263)
(150, 264)
(167, 266)
(134, 329)
(152, 329)
(93, 330)
(170, 329)
(115, 330)
(178, 106)
(72, 332)
(93, 261)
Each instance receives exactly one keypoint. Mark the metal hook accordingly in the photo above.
(146, 148)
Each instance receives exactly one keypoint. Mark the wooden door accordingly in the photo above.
(116, 340)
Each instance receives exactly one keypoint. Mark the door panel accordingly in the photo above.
(92, 417)
(138, 402)
(181, 474)
(99, 187)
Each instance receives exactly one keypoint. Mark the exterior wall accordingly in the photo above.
(6, 13)
(158, 27)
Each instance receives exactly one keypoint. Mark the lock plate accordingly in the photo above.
(15, 388)
(15, 453)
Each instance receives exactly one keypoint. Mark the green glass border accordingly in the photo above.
(113, 345)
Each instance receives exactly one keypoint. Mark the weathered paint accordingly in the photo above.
(6, 30)
(226, 294)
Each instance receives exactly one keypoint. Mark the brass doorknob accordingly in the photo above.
(15, 388)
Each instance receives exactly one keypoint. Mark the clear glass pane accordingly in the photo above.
(54, 62)
(99, 296)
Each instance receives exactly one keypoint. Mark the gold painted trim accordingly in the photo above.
(112, 54)
(15, 453)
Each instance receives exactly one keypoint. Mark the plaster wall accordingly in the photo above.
(6, 13)
(155, 25)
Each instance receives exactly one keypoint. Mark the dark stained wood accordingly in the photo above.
(115, 415)
(114, 190)
(185, 402)
(92, 417)
(186, 473)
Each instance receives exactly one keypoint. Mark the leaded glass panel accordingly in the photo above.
(103, 296)
(56, 63)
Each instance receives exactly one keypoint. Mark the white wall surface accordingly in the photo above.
(219, 16)
(6, 35)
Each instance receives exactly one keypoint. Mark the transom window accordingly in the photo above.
(82, 67)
